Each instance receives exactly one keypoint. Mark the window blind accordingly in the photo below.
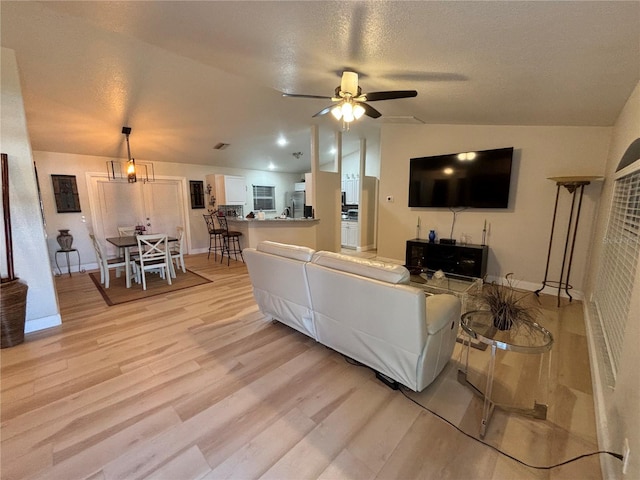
(619, 261)
(264, 197)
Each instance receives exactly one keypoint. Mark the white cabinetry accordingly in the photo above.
(351, 187)
(349, 234)
(228, 189)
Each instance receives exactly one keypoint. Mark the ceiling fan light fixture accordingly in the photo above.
(347, 112)
(337, 112)
(349, 83)
(358, 111)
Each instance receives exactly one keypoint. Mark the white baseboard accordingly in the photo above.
(85, 267)
(532, 287)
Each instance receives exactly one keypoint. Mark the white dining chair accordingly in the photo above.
(153, 255)
(127, 231)
(106, 264)
(177, 251)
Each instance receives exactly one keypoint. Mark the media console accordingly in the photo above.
(467, 260)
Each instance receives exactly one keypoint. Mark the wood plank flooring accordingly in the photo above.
(197, 384)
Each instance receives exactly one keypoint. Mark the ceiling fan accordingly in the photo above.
(351, 102)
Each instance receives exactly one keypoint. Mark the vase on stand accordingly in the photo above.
(65, 239)
(432, 236)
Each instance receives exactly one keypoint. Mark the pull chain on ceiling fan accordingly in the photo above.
(351, 102)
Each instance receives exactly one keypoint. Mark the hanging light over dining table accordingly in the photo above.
(119, 170)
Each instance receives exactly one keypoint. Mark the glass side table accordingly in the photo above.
(528, 339)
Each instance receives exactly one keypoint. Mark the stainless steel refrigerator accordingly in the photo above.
(295, 202)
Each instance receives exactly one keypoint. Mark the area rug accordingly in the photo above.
(118, 293)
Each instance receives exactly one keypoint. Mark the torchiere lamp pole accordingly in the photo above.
(573, 185)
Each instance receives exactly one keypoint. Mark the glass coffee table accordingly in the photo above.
(459, 285)
(530, 339)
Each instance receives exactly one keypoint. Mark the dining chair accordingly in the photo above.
(106, 264)
(127, 231)
(177, 251)
(153, 255)
(216, 242)
(231, 240)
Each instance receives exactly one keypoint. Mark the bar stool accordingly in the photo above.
(231, 240)
(216, 242)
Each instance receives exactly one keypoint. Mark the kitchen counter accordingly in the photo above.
(268, 220)
(296, 231)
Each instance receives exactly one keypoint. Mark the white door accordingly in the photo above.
(159, 206)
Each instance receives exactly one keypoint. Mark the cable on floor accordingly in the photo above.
(403, 389)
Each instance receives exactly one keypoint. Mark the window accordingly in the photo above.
(620, 253)
(264, 197)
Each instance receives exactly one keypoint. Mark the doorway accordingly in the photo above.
(160, 206)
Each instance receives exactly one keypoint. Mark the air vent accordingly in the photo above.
(220, 146)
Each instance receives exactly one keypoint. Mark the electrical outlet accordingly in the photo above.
(625, 456)
(390, 198)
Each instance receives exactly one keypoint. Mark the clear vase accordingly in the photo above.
(65, 239)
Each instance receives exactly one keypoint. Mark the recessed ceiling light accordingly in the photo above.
(271, 166)
(282, 141)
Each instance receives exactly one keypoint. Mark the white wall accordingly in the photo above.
(49, 163)
(31, 261)
(518, 236)
(619, 410)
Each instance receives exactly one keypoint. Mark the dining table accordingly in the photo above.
(126, 243)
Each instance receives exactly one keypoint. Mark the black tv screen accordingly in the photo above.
(467, 179)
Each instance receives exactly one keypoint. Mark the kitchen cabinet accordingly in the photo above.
(351, 187)
(349, 234)
(228, 189)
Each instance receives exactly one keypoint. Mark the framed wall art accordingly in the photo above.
(65, 191)
(196, 188)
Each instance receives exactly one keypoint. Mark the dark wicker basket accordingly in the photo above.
(13, 307)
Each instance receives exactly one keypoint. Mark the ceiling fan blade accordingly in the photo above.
(369, 111)
(375, 96)
(324, 111)
(295, 95)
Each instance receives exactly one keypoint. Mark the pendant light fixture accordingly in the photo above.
(129, 170)
(131, 164)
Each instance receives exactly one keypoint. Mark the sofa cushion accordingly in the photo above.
(296, 252)
(384, 272)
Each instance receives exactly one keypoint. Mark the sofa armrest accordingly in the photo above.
(441, 311)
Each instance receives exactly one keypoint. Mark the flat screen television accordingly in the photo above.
(468, 179)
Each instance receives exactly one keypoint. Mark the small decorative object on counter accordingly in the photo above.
(250, 215)
(432, 236)
(65, 239)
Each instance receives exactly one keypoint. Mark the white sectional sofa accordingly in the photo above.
(361, 308)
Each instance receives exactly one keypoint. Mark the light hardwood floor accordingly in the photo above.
(197, 384)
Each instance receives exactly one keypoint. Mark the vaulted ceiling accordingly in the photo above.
(188, 75)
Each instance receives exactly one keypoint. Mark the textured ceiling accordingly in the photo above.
(187, 75)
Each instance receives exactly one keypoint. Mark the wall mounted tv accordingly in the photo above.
(467, 179)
